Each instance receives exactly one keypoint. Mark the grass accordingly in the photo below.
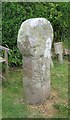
(0, 102)
(60, 79)
(13, 104)
(56, 106)
(0, 93)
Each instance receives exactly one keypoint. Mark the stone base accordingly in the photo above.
(37, 94)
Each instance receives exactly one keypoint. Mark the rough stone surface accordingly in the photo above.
(59, 50)
(34, 42)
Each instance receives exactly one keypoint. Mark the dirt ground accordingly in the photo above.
(47, 108)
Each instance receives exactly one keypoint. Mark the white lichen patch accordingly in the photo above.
(47, 52)
(32, 41)
(43, 68)
(33, 23)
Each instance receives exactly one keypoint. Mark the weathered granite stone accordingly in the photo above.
(59, 51)
(34, 42)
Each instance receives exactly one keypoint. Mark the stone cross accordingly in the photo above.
(35, 38)
(59, 51)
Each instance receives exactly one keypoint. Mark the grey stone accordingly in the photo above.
(34, 41)
(59, 51)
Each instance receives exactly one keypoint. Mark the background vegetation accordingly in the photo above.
(14, 13)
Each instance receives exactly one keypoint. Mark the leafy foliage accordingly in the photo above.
(14, 13)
